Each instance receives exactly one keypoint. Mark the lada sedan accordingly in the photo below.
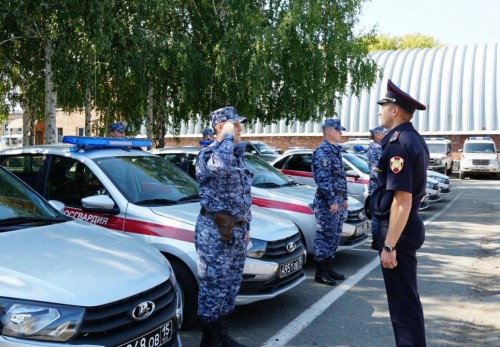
(111, 183)
(282, 195)
(297, 165)
(64, 282)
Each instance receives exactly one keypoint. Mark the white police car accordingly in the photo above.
(68, 283)
(107, 181)
(479, 156)
(297, 165)
(443, 181)
(277, 192)
(440, 158)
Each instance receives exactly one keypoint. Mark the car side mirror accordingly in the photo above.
(99, 204)
(57, 205)
(351, 173)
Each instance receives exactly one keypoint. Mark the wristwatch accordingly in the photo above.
(388, 248)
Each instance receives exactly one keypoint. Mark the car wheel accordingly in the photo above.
(189, 289)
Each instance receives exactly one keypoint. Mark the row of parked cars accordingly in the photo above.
(138, 260)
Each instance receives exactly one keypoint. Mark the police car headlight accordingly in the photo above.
(39, 321)
(256, 248)
(438, 161)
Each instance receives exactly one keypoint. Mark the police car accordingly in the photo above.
(440, 158)
(64, 282)
(109, 182)
(479, 156)
(297, 165)
(277, 192)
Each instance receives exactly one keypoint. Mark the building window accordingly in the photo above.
(59, 132)
(81, 131)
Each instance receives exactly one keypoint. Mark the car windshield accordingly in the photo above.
(436, 148)
(360, 163)
(149, 180)
(264, 148)
(265, 175)
(19, 204)
(479, 148)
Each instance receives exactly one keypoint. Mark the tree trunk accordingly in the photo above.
(88, 112)
(50, 100)
(150, 120)
(28, 127)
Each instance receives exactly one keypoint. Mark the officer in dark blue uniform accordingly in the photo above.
(402, 175)
(208, 137)
(222, 229)
(373, 155)
(330, 201)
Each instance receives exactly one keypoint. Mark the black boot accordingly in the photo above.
(227, 341)
(333, 274)
(322, 275)
(211, 335)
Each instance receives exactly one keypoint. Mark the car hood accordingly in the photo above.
(301, 192)
(435, 155)
(265, 225)
(489, 156)
(185, 213)
(306, 194)
(76, 264)
(436, 174)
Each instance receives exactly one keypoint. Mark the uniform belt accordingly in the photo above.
(210, 215)
(341, 194)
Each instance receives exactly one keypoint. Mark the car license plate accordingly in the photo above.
(480, 168)
(291, 266)
(361, 229)
(155, 338)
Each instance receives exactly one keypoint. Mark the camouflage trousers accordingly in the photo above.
(220, 269)
(329, 230)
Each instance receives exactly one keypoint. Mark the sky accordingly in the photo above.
(452, 22)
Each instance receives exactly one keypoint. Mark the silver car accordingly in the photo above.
(111, 183)
(277, 192)
(297, 165)
(69, 283)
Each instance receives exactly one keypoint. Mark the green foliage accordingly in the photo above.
(387, 42)
(271, 59)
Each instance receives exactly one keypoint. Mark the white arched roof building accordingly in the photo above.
(459, 85)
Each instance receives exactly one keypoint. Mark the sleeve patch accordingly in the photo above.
(397, 164)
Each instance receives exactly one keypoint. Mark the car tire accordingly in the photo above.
(189, 289)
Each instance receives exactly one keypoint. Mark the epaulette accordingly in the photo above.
(394, 136)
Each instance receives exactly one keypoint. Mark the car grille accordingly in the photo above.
(276, 251)
(480, 162)
(433, 161)
(356, 215)
(111, 324)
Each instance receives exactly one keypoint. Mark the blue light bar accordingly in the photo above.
(434, 138)
(111, 142)
(479, 138)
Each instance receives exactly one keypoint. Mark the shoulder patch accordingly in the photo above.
(397, 164)
(325, 162)
(394, 136)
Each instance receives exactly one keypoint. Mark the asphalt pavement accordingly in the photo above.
(459, 284)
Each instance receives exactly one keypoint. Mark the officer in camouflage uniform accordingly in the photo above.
(330, 201)
(208, 137)
(225, 184)
(373, 155)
